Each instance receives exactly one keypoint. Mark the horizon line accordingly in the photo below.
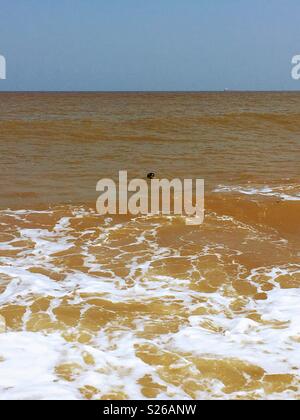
(155, 91)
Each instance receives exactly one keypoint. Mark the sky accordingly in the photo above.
(155, 45)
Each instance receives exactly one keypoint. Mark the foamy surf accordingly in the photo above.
(145, 308)
(286, 193)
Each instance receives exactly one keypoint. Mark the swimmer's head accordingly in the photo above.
(151, 175)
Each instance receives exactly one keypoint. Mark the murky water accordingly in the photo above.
(148, 307)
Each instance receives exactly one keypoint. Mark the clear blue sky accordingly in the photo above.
(149, 44)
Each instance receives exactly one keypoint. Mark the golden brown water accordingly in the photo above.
(147, 307)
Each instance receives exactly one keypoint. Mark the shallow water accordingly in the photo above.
(147, 307)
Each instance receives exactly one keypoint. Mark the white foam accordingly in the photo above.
(276, 350)
(27, 367)
(263, 191)
(28, 370)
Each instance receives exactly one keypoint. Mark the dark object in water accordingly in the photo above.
(151, 175)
